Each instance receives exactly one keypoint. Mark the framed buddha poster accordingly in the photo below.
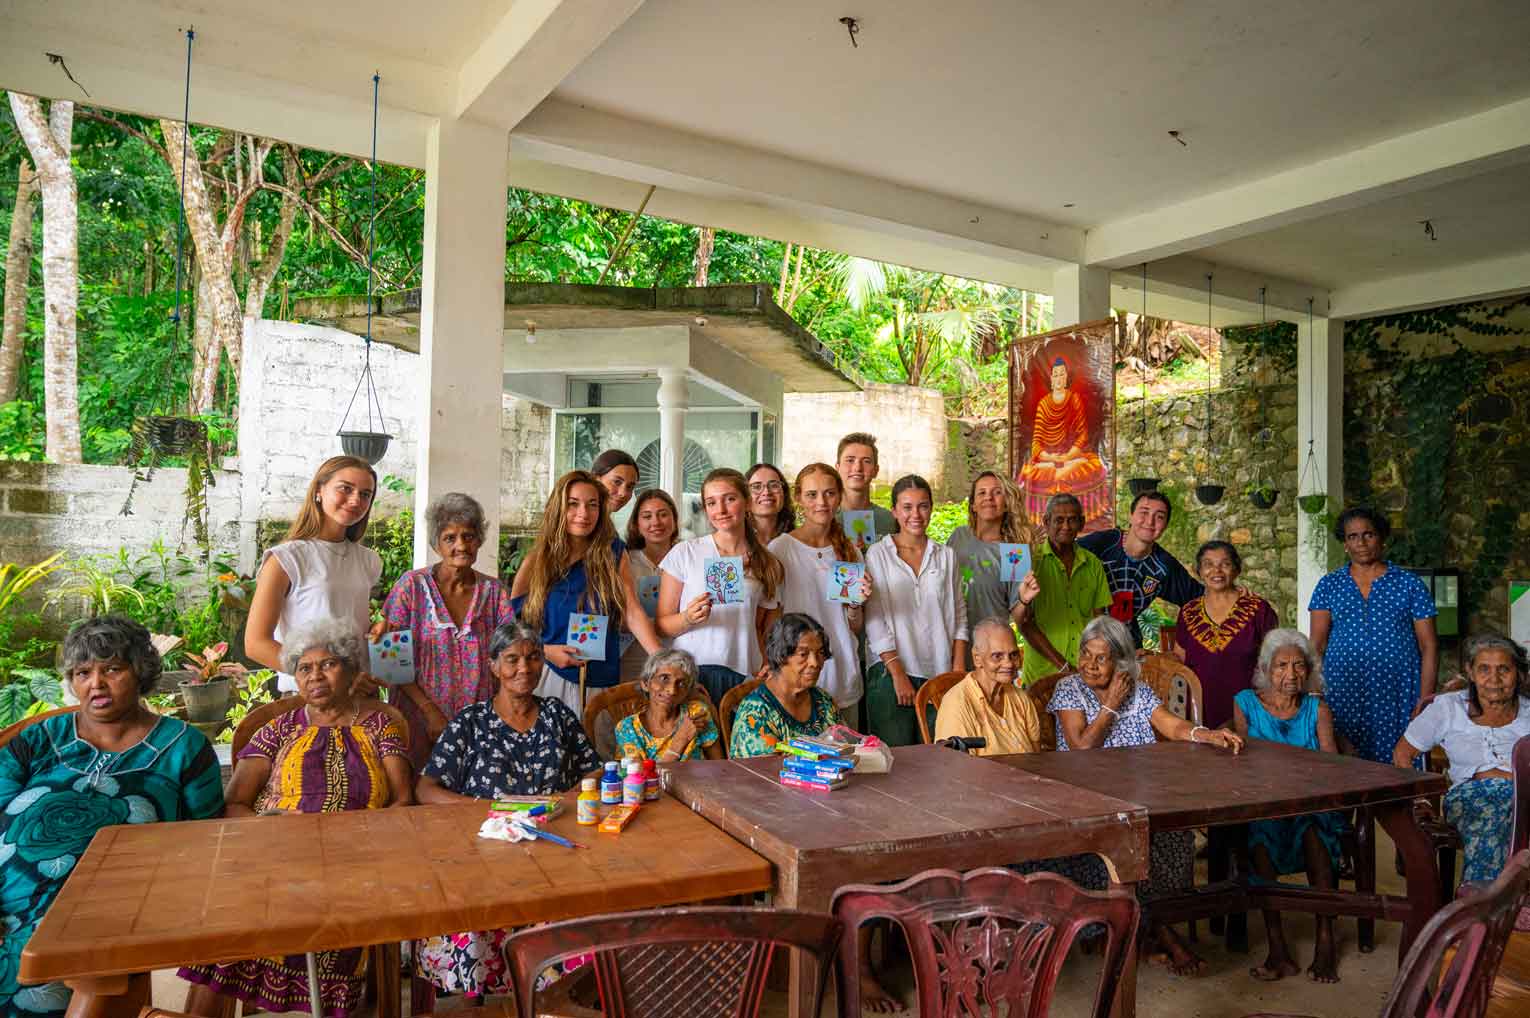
(1062, 420)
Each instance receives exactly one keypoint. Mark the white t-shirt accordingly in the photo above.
(728, 636)
(917, 616)
(326, 579)
(1472, 748)
(805, 591)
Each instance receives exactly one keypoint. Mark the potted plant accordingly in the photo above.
(1262, 495)
(1209, 494)
(206, 692)
(157, 437)
(1313, 504)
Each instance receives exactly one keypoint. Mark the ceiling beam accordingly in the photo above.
(1410, 162)
(529, 52)
(1234, 291)
(1458, 284)
(562, 133)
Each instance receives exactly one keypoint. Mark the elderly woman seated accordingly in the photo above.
(515, 744)
(336, 752)
(987, 704)
(64, 778)
(1478, 726)
(1105, 707)
(788, 704)
(1286, 705)
(669, 727)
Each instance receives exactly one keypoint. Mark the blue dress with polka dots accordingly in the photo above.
(1371, 665)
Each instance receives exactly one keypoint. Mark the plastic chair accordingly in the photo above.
(609, 707)
(9, 732)
(675, 963)
(927, 700)
(1519, 829)
(729, 707)
(1474, 931)
(986, 937)
(1176, 685)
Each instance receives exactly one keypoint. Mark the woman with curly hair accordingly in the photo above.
(994, 517)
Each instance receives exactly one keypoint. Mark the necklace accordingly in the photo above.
(338, 549)
(355, 716)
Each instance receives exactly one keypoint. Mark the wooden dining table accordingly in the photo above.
(154, 896)
(936, 808)
(1183, 786)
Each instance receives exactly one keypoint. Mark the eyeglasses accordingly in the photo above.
(760, 487)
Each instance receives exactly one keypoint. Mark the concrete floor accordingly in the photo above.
(1226, 991)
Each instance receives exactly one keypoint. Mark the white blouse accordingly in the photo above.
(917, 616)
(326, 579)
(1472, 748)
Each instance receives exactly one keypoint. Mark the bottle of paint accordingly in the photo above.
(651, 787)
(589, 801)
(632, 787)
(611, 785)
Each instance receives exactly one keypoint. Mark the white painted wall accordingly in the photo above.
(909, 425)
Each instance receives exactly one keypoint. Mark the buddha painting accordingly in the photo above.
(1064, 450)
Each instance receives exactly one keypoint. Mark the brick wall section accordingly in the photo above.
(909, 424)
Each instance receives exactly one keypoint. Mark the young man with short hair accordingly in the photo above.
(856, 461)
(1138, 569)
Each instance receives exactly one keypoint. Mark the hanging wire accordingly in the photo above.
(366, 368)
(1142, 367)
(180, 229)
(1311, 464)
(1208, 363)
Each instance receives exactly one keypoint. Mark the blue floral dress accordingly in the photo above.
(1371, 666)
(1282, 838)
(56, 792)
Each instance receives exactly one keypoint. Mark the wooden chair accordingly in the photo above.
(683, 961)
(729, 707)
(986, 937)
(927, 700)
(1176, 685)
(609, 707)
(1472, 932)
(1040, 693)
(9, 732)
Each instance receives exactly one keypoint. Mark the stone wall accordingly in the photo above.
(909, 425)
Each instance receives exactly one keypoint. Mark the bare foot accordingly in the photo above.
(1182, 961)
(1274, 968)
(1325, 961)
(875, 998)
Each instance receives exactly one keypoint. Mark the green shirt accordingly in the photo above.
(1065, 605)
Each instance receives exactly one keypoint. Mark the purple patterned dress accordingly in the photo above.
(451, 663)
(1223, 654)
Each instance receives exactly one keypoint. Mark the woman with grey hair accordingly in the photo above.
(336, 752)
(64, 777)
(1286, 705)
(1105, 707)
(788, 704)
(1478, 726)
(449, 609)
(671, 725)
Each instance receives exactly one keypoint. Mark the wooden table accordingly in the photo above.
(161, 895)
(1184, 785)
(937, 808)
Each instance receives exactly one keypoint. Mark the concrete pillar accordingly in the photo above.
(674, 400)
(1079, 294)
(462, 324)
(1320, 420)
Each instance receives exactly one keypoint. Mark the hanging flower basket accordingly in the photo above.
(171, 436)
(1263, 498)
(1138, 485)
(1209, 494)
(368, 445)
(1314, 503)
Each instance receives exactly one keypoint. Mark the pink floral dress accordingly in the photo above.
(451, 663)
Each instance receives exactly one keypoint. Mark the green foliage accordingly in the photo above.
(393, 540)
(89, 587)
(1274, 343)
(255, 692)
(946, 517)
(29, 691)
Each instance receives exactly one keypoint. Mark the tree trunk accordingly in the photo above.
(48, 142)
(217, 286)
(262, 275)
(18, 269)
(704, 242)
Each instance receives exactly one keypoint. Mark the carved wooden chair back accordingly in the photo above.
(1176, 685)
(729, 707)
(987, 941)
(609, 707)
(1040, 693)
(9, 732)
(675, 963)
(927, 701)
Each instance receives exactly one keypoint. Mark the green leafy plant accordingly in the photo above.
(30, 691)
(90, 586)
(253, 693)
(207, 665)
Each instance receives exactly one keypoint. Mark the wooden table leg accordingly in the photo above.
(1422, 868)
(108, 996)
(792, 891)
(1365, 873)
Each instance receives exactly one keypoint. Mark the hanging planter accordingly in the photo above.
(1209, 494)
(371, 443)
(171, 436)
(1313, 504)
(1262, 496)
(1138, 485)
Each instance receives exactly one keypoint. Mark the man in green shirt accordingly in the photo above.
(1073, 589)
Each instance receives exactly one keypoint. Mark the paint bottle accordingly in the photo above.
(651, 787)
(589, 801)
(611, 785)
(632, 787)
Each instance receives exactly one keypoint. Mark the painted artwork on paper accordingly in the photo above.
(844, 582)
(1014, 562)
(392, 658)
(725, 579)
(587, 635)
(861, 525)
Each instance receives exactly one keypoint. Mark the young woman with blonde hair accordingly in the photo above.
(725, 639)
(320, 569)
(578, 564)
(994, 517)
(808, 554)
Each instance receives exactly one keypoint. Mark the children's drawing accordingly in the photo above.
(1014, 562)
(861, 525)
(648, 594)
(392, 658)
(725, 579)
(845, 582)
(587, 635)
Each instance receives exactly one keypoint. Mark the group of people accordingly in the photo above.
(495, 708)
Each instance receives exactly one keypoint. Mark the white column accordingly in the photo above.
(1079, 294)
(462, 325)
(674, 400)
(1320, 419)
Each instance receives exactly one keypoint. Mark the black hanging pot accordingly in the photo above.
(1264, 498)
(1209, 494)
(1138, 485)
(368, 445)
(172, 436)
(1313, 504)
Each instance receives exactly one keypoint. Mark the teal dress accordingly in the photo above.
(1282, 838)
(761, 722)
(56, 792)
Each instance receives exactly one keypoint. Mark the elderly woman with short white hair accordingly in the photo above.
(1286, 705)
(670, 726)
(450, 609)
(1104, 706)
